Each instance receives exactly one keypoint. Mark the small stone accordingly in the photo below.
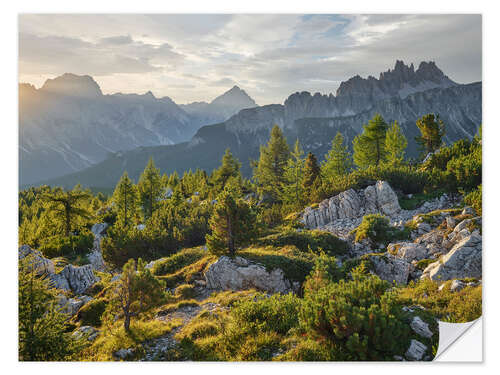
(420, 327)
(457, 285)
(416, 351)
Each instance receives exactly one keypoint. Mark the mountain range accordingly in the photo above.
(401, 94)
(69, 124)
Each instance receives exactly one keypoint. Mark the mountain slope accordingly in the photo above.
(459, 106)
(222, 107)
(68, 124)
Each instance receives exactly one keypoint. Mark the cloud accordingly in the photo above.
(194, 57)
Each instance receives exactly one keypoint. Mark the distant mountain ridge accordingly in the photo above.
(222, 107)
(312, 118)
(69, 124)
(460, 107)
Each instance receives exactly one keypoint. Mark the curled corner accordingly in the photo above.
(466, 343)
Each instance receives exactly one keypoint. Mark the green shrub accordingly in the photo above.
(177, 261)
(58, 246)
(307, 240)
(295, 264)
(277, 313)
(185, 291)
(359, 318)
(422, 264)
(376, 228)
(475, 199)
(456, 307)
(91, 313)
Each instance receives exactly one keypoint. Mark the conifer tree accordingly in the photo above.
(338, 161)
(42, 326)
(293, 192)
(125, 199)
(312, 171)
(135, 291)
(230, 167)
(269, 171)
(431, 133)
(395, 144)
(66, 205)
(369, 146)
(232, 224)
(150, 188)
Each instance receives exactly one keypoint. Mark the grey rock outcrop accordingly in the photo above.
(41, 265)
(95, 256)
(416, 351)
(390, 268)
(71, 306)
(378, 198)
(74, 278)
(241, 274)
(463, 260)
(89, 332)
(420, 327)
(408, 251)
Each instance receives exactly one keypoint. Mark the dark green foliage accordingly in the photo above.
(125, 199)
(307, 240)
(177, 261)
(432, 133)
(185, 291)
(278, 313)
(295, 264)
(232, 224)
(293, 191)
(338, 161)
(269, 172)
(374, 227)
(91, 313)
(42, 327)
(150, 188)
(475, 199)
(360, 319)
(58, 246)
(229, 169)
(369, 147)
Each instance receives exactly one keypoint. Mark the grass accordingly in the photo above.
(295, 264)
(306, 240)
(190, 272)
(177, 261)
(116, 338)
(457, 307)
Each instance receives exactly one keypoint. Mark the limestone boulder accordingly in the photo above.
(463, 260)
(390, 268)
(242, 274)
(41, 265)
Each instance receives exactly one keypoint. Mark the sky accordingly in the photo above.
(198, 57)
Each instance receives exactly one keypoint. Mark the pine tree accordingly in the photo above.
(125, 200)
(42, 327)
(338, 161)
(269, 171)
(431, 133)
(395, 144)
(230, 167)
(150, 188)
(369, 147)
(67, 206)
(293, 192)
(232, 224)
(137, 290)
(312, 171)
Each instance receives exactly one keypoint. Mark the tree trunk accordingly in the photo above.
(68, 220)
(126, 322)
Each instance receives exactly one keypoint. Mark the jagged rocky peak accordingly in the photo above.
(70, 84)
(400, 81)
(234, 97)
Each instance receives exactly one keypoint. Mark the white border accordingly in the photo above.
(8, 149)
